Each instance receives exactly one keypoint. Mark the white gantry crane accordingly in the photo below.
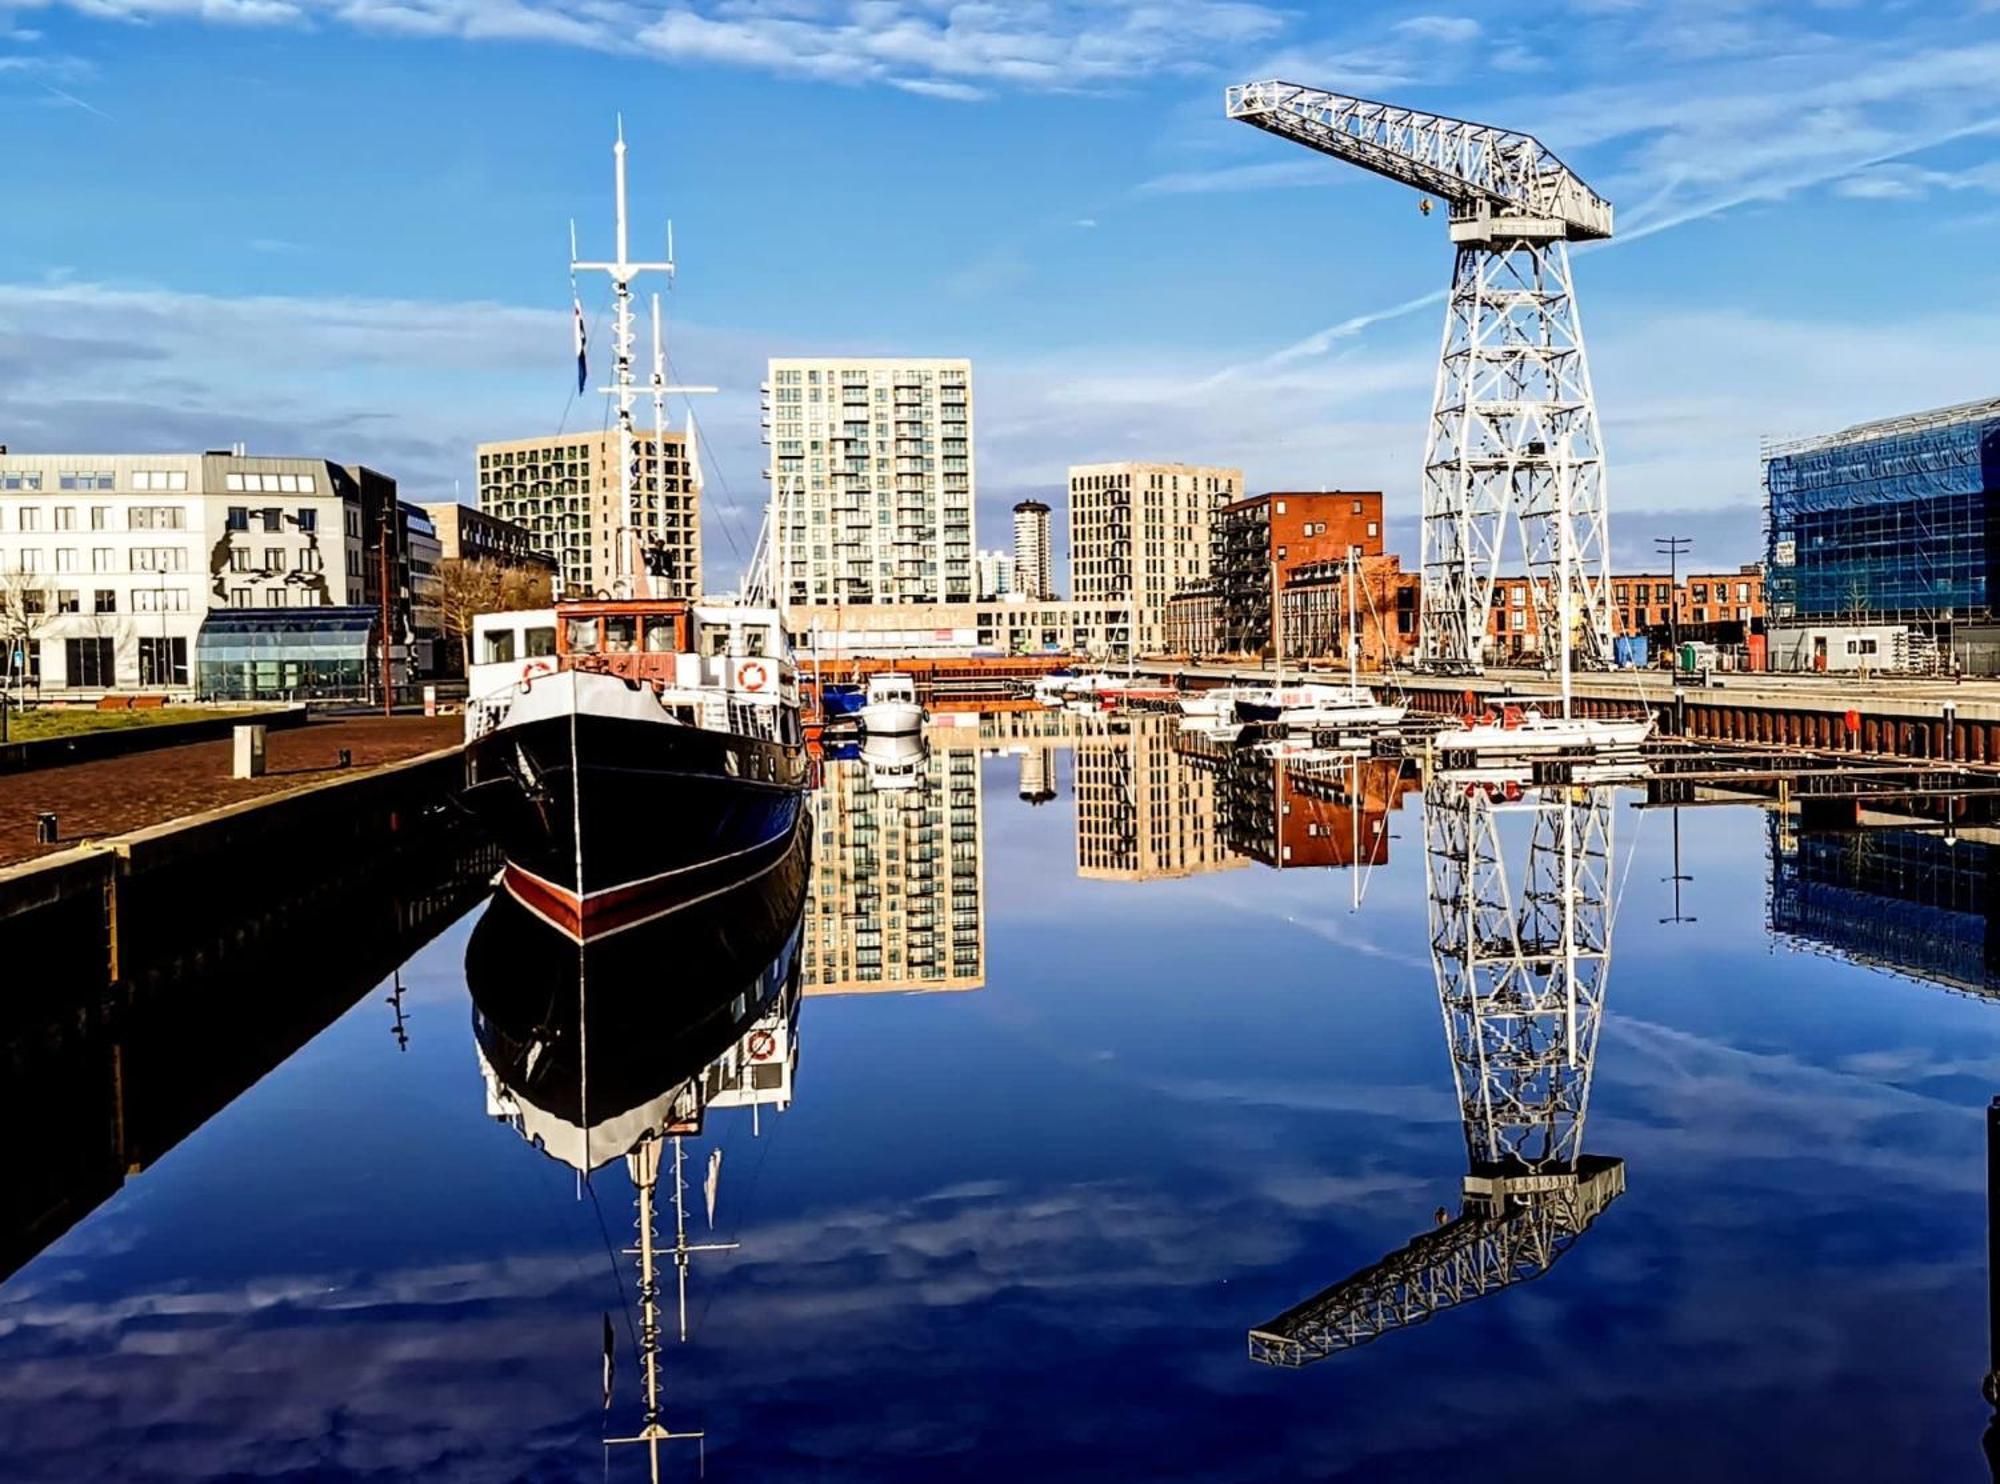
(1520, 979)
(1513, 429)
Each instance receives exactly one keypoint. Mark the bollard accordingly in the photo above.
(249, 753)
(45, 829)
(346, 757)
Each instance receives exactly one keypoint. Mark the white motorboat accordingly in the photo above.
(1317, 707)
(896, 761)
(892, 708)
(1527, 732)
(1218, 703)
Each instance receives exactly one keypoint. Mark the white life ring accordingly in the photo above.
(751, 675)
(762, 1044)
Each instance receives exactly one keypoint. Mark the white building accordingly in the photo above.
(996, 575)
(1138, 534)
(109, 562)
(871, 461)
(1034, 559)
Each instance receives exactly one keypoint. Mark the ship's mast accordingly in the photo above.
(627, 570)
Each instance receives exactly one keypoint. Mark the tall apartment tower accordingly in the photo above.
(1034, 566)
(1138, 533)
(564, 492)
(871, 465)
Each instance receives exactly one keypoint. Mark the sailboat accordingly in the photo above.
(1316, 705)
(635, 751)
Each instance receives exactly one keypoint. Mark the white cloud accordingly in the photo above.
(1261, 175)
(1444, 28)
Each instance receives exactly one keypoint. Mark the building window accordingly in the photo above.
(274, 519)
(239, 515)
(100, 517)
(163, 660)
(239, 597)
(20, 479)
(89, 662)
(239, 559)
(66, 600)
(104, 600)
(274, 559)
(31, 518)
(65, 558)
(65, 517)
(308, 518)
(103, 559)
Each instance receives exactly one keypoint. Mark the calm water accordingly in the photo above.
(1155, 1093)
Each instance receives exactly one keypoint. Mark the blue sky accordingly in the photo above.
(341, 228)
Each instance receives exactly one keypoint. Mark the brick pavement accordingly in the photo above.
(117, 795)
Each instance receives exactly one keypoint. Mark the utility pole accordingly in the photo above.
(1671, 547)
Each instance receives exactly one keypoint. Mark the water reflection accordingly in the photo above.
(1920, 903)
(898, 898)
(1520, 964)
(619, 1048)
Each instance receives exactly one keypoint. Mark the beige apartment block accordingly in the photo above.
(871, 467)
(1138, 533)
(564, 491)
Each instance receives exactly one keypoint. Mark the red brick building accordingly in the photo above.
(1260, 543)
(1716, 607)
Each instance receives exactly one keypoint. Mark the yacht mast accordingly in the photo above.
(643, 1165)
(1353, 632)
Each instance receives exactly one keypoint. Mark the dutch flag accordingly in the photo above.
(582, 364)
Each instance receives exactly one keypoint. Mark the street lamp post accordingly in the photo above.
(1672, 547)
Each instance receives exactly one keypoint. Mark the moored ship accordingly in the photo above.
(633, 752)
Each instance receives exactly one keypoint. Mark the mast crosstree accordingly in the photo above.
(1513, 435)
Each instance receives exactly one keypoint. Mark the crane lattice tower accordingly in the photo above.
(1521, 965)
(1513, 434)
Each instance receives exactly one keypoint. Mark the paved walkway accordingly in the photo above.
(116, 795)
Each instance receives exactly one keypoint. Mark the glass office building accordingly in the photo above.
(277, 654)
(1891, 522)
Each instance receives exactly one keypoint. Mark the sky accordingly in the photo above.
(340, 227)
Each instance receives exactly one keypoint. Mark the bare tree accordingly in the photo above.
(467, 588)
(24, 617)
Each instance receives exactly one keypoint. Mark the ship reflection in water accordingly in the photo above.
(620, 1047)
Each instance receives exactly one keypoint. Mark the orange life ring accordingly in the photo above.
(762, 1044)
(1512, 790)
(536, 667)
(752, 676)
(1510, 717)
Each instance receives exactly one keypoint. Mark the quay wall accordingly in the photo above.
(180, 897)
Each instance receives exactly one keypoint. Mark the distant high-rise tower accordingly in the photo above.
(1033, 566)
(872, 465)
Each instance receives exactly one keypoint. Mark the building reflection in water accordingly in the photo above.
(619, 1049)
(898, 899)
(1520, 964)
(1919, 903)
(1325, 809)
(1144, 811)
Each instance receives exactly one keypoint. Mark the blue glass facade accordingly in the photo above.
(1900, 526)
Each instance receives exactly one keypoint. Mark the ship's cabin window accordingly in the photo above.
(541, 642)
(753, 641)
(715, 640)
(583, 636)
(621, 635)
(496, 647)
(660, 635)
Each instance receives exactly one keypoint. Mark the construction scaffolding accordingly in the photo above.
(1886, 522)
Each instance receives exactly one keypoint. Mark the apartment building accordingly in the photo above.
(1034, 552)
(109, 563)
(1257, 545)
(1139, 533)
(466, 534)
(564, 491)
(872, 467)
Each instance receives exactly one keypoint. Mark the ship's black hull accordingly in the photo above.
(607, 821)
